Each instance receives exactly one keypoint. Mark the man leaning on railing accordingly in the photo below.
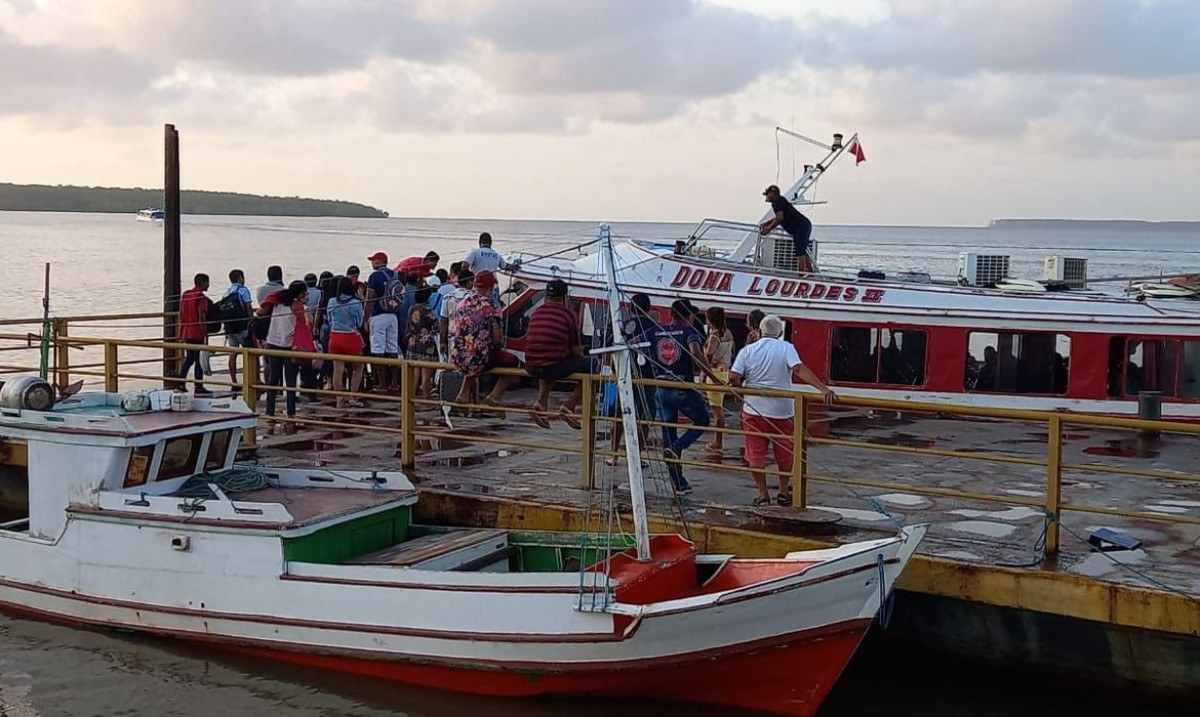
(771, 362)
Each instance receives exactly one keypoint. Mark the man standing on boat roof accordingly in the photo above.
(485, 258)
(792, 221)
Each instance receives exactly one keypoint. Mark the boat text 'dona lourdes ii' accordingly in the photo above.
(134, 516)
(983, 338)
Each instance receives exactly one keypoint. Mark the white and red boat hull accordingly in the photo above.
(776, 643)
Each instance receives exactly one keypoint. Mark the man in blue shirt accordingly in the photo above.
(239, 339)
(676, 354)
(383, 325)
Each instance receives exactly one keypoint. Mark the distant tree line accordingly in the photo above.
(66, 198)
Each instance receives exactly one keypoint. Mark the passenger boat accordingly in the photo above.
(140, 519)
(151, 215)
(982, 339)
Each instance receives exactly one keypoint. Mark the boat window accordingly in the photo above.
(139, 466)
(179, 457)
(1189, 373)
(870, 355)
(1151, 366)
(218, 449)
(1017, 362)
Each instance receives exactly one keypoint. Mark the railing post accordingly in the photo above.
(800, 454)
(587, 432)
(250, 381)
(1053, 482)
(62, 355)
(408, 415)
(111, 382)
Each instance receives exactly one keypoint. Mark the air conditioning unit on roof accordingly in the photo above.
(779, 252)
(982, 269)
(1072, 271)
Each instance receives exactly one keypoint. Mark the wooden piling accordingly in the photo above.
(172, 284)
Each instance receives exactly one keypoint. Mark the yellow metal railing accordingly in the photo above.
(111, 371)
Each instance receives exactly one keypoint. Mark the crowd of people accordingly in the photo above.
(422, 312)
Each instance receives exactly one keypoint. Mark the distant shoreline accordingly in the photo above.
(1141, 224)
(122, 200)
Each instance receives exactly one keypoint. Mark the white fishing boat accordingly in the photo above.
(138, 518)
(151, 215)
(981, 338)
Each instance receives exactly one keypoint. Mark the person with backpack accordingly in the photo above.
(235, 309)
(385, 298)
(194, 307)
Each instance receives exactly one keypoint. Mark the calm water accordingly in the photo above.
(110, 263)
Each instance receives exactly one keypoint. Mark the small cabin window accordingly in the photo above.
(179, 457)
(1152, 364)
(218, 449)
(139, 466)
(1017, 362)
(872, 355)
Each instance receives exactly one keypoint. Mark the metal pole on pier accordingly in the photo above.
(171, 266)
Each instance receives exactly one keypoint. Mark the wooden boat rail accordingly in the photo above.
(111, 371)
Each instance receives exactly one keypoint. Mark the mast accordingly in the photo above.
(621, 351)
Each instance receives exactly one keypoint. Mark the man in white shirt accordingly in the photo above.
(772, 363)
(485, 258)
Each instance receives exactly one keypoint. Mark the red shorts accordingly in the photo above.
(347, 343)
(780, 440)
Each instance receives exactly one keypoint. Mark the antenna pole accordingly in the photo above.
(621, 351)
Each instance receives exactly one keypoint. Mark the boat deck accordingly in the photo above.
(309, 506)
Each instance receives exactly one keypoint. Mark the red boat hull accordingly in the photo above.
(790, 674)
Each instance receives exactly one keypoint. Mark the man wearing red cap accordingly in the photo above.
(477, 340)
(382, 322)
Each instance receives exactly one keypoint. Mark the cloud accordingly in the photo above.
(956, 37)
(493, 66)
(1120, 76)
(1121, 73)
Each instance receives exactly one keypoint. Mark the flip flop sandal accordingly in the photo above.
(569, 419)
(540, 419)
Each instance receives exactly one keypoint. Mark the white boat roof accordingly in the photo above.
(99, 417)
(741, 287)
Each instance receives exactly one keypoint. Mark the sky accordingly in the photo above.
(618, 109)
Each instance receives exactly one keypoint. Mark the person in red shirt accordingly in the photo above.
(553, 351)
(193, 315)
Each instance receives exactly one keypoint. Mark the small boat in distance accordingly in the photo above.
(151, 215)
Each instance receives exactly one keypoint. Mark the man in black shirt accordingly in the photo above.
(792, 221)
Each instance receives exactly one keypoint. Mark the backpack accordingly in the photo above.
(393, 296)
(232, 312)
(212, 314)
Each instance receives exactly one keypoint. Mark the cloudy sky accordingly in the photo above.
(618, 109)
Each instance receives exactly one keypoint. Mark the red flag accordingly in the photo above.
(859, 155)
